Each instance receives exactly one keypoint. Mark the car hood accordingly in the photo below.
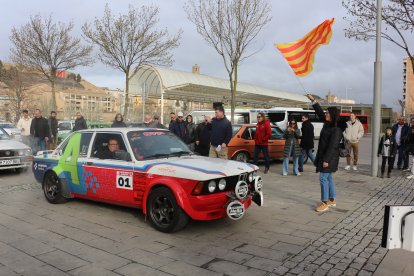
(197, 167)
(12, 144)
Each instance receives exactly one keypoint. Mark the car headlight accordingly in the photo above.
(27, 152)
(250, 177)
(222, 184)
(211, 186)
(21, 152)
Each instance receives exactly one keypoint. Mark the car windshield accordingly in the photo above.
(65, 126)
(156, 144)
(4, 135)
(7, 126)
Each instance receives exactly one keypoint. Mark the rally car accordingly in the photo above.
(149, 169)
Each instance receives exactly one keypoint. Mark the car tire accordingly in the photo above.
(52, 188)
(241, 156)
(163, 212)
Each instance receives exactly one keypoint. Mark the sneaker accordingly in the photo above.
(355, 168)
(266, 171)
(411, 176)
(284, 174)
(347, 168)
(298, 174)
(331, 203)
(406, 169)
(322, 207)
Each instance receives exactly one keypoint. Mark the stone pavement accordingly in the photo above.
(87, 238)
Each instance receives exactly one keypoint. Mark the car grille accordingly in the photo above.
(8, 153)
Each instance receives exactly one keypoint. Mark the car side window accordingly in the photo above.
(101, 142)
(248, 134)
(277, 134)
(84, 144)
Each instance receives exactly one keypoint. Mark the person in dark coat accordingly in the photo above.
(172, 121)
(292, 148)
(118, 121)
(221, 134)
(191, 132)
(203, 136)
(40, 131)
(399, 132)
(306, 141)
(80, 122)
(156, 123)
(178, 127)
(327, 156)
(387, 148)
(53, 129)
(109, 151)
(409, 145)
(261, 140)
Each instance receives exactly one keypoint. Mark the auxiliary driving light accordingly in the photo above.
(211, 186)
(222, 184)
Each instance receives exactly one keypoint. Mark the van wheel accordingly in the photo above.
(163, 211)
(242, 157)
(52, 188)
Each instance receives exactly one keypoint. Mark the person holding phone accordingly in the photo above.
(327, 156)
(292, 148)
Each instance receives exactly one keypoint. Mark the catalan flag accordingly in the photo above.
(300, 54)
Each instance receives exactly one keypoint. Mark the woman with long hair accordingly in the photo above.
(327, 157)
(118, 121)
(292, 148)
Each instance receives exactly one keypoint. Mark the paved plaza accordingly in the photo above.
(285, 237)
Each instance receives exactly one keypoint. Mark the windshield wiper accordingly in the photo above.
(179, 153)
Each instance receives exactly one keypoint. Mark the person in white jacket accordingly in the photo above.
(24, 126)
(352, 134)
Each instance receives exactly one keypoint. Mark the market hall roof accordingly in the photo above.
(179, 85)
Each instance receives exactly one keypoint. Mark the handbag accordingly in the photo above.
(343, 149)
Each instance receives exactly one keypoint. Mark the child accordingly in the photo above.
(387, 148)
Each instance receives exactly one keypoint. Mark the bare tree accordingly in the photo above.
(130, 40)
(230, 27)
(17, 90)
(48, 47)
(398, 16)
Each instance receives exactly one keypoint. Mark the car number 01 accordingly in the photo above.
(124, 180)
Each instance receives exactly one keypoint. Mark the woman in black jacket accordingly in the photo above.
(118, 121)
(327, 157)
(388, 149)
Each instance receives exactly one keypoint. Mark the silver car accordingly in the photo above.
(14, 154)
(12, 130)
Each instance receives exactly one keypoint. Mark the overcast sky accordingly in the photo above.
(342, 64)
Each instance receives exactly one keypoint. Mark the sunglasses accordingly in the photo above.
(258, 117)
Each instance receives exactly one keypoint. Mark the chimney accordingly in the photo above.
(196, 69)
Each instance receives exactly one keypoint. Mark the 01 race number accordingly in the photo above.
(124, 180)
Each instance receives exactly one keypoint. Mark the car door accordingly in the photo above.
(276, 143)
(109, 180)
(248, 140)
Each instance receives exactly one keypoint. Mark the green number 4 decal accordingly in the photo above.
(68, 161)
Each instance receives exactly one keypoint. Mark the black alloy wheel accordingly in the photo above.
(163, 211)
(52, 188)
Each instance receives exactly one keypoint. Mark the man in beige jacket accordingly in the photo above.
(352, 134)
(24, 126)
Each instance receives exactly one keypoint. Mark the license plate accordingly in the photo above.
(9, 162)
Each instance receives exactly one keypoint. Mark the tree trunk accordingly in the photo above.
(52, 83)
(232, 104)
(233, 94)
(126, 95)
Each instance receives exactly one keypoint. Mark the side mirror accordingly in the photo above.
(123, 155)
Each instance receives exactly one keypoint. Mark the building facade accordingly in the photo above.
(408, 88)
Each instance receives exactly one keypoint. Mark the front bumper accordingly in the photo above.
(16, 162)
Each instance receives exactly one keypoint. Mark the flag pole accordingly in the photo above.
(377, 94)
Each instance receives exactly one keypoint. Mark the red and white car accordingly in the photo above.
(151, 169)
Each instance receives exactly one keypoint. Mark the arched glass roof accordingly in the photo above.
(179, 85)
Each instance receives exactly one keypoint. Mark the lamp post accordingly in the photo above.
(346, 92)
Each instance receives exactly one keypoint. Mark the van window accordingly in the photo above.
(275, 117)
(65, 126)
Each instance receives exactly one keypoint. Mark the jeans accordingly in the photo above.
(265, 150)
(295, 161)
(401, 151)
(38, 144)
(328, 189)
(309, 153)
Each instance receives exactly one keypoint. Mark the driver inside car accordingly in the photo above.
(109, 151)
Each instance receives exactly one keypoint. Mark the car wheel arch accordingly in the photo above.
(174, 187)
(241, 151)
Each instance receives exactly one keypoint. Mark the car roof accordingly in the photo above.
(121, 129)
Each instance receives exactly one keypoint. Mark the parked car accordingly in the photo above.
(14, 154)
(152, 170)
(241, 146)
(12, 130)
(64, 129)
